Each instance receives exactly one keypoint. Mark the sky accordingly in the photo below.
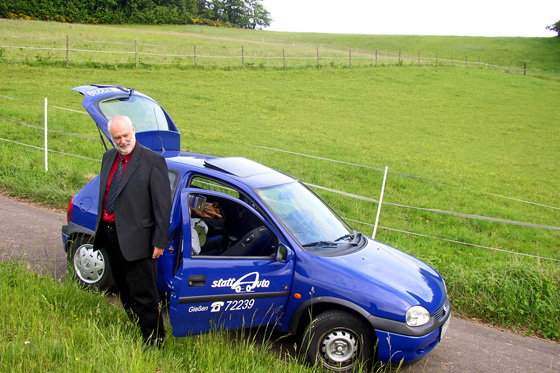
(416, 17)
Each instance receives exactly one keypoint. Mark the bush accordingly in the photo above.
(95, 12)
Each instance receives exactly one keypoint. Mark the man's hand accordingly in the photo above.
(158, 251)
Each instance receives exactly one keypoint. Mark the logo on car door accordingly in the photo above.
(245, 284)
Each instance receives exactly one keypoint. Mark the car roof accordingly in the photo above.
(245, 171)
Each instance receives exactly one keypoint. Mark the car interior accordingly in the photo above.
(232, 230)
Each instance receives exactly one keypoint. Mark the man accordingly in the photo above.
(133, 223)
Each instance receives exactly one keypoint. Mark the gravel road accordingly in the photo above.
(31, 233)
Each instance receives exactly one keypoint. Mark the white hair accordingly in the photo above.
(120, 117)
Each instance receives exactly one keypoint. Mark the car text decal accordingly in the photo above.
(245, 284)
(100, 91)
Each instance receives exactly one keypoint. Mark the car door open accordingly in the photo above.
(236, 283)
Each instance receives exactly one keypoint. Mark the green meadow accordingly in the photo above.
(473, 142)
(66, 329)
(118, 45)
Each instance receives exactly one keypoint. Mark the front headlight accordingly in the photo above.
(417, 316)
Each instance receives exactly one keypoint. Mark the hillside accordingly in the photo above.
(472, 149)
(165, 45)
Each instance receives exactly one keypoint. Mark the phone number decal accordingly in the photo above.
(232, 305)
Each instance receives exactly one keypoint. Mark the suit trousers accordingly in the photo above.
(136, 285)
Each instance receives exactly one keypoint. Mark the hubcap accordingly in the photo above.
(89, 264)
(339, 347)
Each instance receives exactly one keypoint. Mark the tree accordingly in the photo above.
(258, 15)
(555, 27)
(240, 13)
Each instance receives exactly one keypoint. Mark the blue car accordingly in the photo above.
(250, 246)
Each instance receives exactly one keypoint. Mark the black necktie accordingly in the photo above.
(112, 194)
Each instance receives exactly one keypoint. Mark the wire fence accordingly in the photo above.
(242, 57)
(350, 195)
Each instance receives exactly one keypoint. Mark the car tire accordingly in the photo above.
(338, 341)
(90, 267)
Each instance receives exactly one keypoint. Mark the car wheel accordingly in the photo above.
(338, 341)
(91, 267)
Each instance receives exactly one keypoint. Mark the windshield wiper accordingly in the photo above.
(321, 244)
(353, 239)
(345, 237)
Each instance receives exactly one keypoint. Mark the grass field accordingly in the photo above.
(474, 141)
(170, 45)
(66, 329)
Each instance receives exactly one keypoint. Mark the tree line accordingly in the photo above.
(232, 13)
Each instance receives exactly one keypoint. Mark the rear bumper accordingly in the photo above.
(65, 236)
(72, 229)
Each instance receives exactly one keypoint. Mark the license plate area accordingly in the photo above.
(444, 328)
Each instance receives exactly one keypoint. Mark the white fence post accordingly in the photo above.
(46, 151)
(380, 203)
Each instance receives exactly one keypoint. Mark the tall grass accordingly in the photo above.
(454, 139)
(48, 325)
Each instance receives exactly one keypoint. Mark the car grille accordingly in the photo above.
(442, 312)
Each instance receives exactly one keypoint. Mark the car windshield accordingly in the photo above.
(145, 114)
(309, 220)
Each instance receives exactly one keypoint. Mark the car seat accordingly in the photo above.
(249, 242)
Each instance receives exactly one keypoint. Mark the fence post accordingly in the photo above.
(67, 51)
(242, 57)
(136, 53)
(380, 203)
(525, 68)
(350, 58)
(399, 57)
(437, 60)
(284, 58)
(466, 61)
(45, 141)
(195, 56)
(317, 57)
(376, 58)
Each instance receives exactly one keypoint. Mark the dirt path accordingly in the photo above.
(32, 234)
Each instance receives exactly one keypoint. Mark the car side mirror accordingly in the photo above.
(284, 254)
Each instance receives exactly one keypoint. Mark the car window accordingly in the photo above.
(173, 180)
(309, 220)
(223, 226)
(145, 114)
(216, 186)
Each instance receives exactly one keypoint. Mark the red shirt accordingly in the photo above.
(107, 216)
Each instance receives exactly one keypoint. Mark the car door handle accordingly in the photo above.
(197, 281)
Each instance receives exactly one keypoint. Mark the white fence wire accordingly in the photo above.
(346, 194)
(281, 58)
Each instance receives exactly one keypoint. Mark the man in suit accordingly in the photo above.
(133, 222)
